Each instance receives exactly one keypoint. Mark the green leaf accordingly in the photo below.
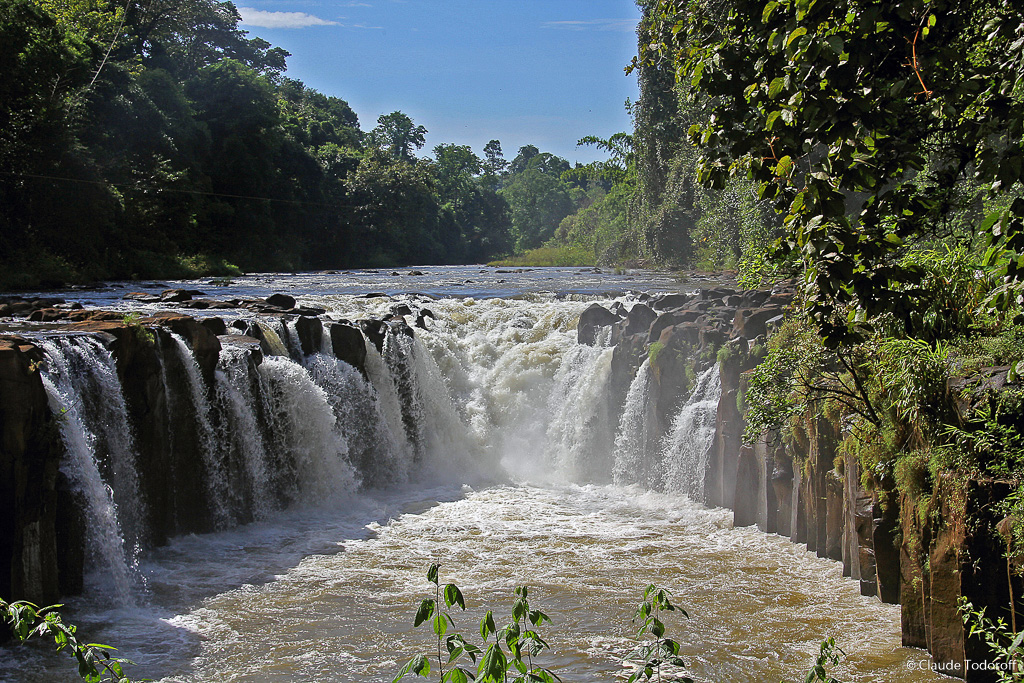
(796, 33)
(455, 676)
(425, 611)
(493, 664)
(777, 86)
(440, 624)
(432, 573)
(487, 625)
(453, 596)
(784, 167)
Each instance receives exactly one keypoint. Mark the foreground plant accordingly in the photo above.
(95, 663)
(1006, 645)
(655, 649)
(509, 658)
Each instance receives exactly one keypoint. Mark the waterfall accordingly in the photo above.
(685, 448)
(81, 382)
(636, 430)
(239, 436)
(493, 389)
(450, 448)
(578, 433)
(304, 422)
(398, 356)
(217, 484)
(377, 454)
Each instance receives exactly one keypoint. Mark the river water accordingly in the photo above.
(510, 482)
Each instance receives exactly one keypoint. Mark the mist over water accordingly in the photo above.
(486, 443)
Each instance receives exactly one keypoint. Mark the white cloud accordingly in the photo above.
(593, 25)
(256, 17)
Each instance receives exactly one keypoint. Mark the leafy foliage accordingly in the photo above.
(95, 662)
(659, 651)
(1004, 644)
(859, 122)
(508, 658)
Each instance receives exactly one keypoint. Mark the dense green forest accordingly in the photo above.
(156, 139)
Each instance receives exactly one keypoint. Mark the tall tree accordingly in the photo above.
(398, 135)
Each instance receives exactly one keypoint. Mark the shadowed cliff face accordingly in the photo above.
(29, 457)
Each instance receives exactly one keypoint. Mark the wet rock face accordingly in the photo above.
(349, 345)
(591, 321)
(311, 332)
(29, 457)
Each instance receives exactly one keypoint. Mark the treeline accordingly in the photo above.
(157, 139)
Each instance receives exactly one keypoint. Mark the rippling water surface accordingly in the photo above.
(321, 597)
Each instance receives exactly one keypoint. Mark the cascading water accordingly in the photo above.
(686, 447)
(578, 434)
(217, 483)
(398, 355)
(314, 444)
(240, 438)
(636, 430)
(81, 381)
(325, 585)
(381, 459)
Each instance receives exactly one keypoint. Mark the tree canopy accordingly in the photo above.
(867, 125)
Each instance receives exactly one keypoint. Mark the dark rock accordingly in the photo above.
(639, 319)
(375, 331)
(661, 322)
(175, 295)
(421, 318)
(715, 293)
(753, 298)
(670, 301)
(30, 453)
(47, 315)
(308, 310)
(282, 301)
(415, 273)
(401, 309)
(142, 297)
(594, 317)
(311, 332)
(751, 322)
(349, 345)
(96, 314)
(374, 295)
(215, 325)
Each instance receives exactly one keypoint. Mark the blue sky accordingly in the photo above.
(541, 72)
